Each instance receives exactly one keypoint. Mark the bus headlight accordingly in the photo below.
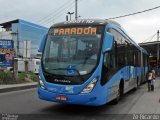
(41, 83)
(90, 86)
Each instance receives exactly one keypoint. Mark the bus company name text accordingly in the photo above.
(75, 31)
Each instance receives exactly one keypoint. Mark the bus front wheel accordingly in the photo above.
(119, 93)
(136, 84)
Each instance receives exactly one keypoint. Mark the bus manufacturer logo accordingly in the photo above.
(63, 81)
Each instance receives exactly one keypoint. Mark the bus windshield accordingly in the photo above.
(72, 51)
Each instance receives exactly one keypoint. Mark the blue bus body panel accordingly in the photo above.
(96, 97)
(100, 94)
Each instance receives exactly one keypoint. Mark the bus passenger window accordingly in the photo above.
(107, 60)
(105, 68)
(108, 68)
(109, 64)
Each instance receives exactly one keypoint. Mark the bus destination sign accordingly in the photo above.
(75, 31)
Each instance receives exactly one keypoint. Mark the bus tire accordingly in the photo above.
(116, 100)
(137, 84)
(121, 86)
(119, 92)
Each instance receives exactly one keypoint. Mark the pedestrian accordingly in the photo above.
(149, 79)
(153, 79)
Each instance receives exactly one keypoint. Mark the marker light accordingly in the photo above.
(90, 86)
(41, 83)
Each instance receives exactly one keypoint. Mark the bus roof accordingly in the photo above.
(84, 22)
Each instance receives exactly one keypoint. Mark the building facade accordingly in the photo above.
(19, 31)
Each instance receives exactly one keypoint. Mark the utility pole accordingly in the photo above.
(157, 52)
(76, 9)
(158, 35)
(17, 42)
(15, 57)
(26, 53)
(26, 61)
(15, 68)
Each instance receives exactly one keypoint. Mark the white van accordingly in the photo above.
(33, 65)
(36, 65)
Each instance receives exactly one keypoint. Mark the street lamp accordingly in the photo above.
(70, 13)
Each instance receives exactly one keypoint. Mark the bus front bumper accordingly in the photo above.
(79, 99)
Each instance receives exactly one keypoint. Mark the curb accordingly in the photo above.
(17, 88)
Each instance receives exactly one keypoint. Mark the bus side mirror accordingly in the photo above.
(108, 42)
(42, 43)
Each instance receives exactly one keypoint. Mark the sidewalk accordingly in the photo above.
(16, 87)
(148, 103)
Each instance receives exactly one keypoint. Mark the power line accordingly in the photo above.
(58, 14)
(55, 16)
(152, 37)
(61, 8)
(149, 38)
(53, 11)
(135, 13)
(76, 9)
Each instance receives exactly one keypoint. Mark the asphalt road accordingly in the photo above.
(27, 102)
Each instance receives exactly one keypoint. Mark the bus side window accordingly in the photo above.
(106, 61)
(109, 65)
(105, 68)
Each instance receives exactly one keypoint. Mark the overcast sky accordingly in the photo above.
(46, 12)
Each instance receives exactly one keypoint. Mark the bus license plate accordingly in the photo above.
(63, 98)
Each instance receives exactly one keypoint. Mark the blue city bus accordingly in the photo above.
(89, 62)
